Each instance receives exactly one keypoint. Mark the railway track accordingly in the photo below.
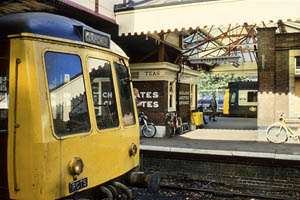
(170, 192)
(218, 193)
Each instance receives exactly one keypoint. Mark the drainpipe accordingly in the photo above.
(96, 6)
(178, 87)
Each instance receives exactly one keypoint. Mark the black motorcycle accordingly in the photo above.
(148, 129)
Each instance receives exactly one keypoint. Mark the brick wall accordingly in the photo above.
(266, 76)
(154, 95)
(256, 175)
(273, 73)
(184, 101)
(288, 40)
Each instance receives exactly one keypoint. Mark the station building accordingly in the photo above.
(163, 37)
(158, 83)
(208, 40)
(156, 35)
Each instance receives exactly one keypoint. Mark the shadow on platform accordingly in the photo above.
(232, 123)
(226, 142)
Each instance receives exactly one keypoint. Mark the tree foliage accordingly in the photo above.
(218, 81)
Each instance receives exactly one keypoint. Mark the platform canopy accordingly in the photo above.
(156, 16)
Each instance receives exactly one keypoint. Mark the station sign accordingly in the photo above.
(98, 39)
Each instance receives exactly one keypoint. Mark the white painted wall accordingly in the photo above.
(106, 7)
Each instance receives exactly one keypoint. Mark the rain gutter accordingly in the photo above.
(132, 6)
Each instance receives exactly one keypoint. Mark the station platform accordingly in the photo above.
(218, 139)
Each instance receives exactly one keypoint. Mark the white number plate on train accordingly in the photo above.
(78, 184)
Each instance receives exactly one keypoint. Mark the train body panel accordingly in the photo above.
(241, 99)
(59, 115)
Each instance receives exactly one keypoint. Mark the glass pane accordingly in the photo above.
(4, 69)
(103, 93)
(67, 93)
(125, 94)
(298, 62)
(233, 95)
(252, 96)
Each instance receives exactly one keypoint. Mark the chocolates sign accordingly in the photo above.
(150, 99)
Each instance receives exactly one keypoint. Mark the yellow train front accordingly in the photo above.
(68, 116)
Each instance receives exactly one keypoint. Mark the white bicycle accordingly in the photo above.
(280, 132)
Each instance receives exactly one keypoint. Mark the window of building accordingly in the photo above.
(103, 93)
(298, 61)
(172, 95)
(297, 66)
(67, 93)
(125, 94)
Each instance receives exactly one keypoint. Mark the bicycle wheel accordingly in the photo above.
(149, 130)
(276, 134)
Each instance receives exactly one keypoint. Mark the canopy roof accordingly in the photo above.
(150, 16)
(213, 30)
(230, 40)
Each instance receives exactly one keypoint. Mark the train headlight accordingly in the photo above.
(75, 166)
(133, 150)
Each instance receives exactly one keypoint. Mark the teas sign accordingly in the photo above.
(152, 73)
(150, 99)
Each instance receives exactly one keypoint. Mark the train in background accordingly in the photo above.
(241, 99)
(69, 126)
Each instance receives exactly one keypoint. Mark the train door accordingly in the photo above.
(4, 69)
(233, 102)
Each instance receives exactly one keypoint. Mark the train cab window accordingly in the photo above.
(4, 106)
(103, 93)
(125, 94)
(67, 93)
(4, 97)
(3, 100)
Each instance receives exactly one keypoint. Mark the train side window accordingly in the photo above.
(103, 93)
(4, 97)
(125, 94)
(67, 93)
(252, 96)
